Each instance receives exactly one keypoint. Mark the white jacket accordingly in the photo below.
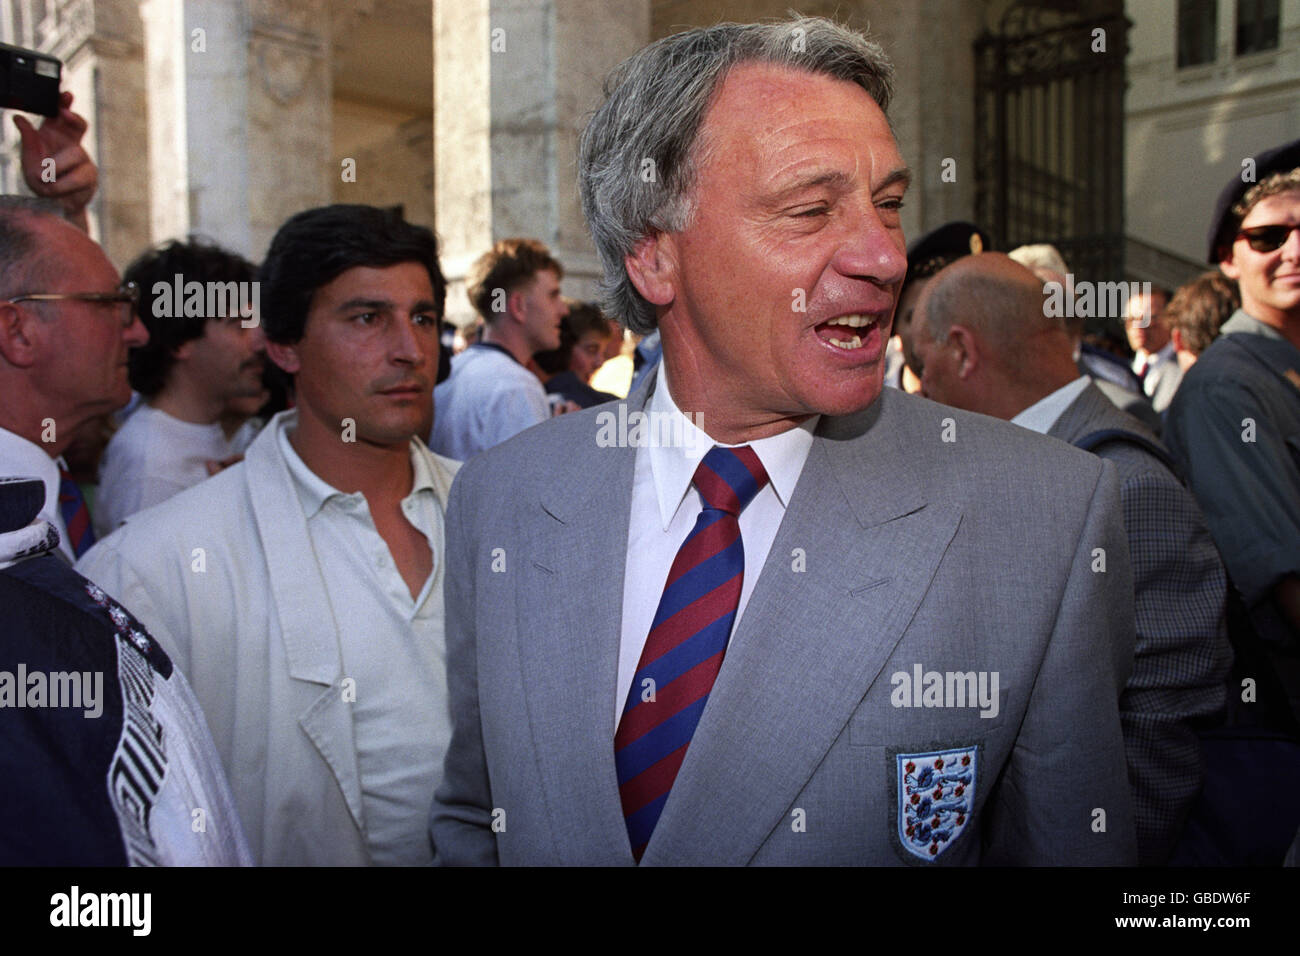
(224, 577)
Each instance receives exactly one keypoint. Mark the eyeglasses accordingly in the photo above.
(1267, 238)
(128, 294)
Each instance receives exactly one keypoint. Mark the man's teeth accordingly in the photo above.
(852, 322)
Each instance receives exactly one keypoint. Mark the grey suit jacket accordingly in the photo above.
(1182, 645)
(899, 551)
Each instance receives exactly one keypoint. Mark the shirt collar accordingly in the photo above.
(314, 491)
(1242, 321)
(21, 458)
(673, 465)
(1042, 415)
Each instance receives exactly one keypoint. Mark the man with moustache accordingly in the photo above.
(301, 590)
(875, 631)
(189, 370)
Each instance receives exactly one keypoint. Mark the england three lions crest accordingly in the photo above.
(936, 796)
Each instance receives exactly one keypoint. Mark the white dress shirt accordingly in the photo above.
(392, 647)
(20, 458)
(488, 398)
(665, 505)
(1042, 415)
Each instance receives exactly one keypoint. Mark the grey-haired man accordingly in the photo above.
(854, 627)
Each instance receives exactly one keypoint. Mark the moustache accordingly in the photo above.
(419, 382)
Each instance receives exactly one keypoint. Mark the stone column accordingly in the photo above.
(239, 116)
(513, 83)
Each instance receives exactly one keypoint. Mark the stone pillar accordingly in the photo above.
(513, 83)
(239, 116)
(118, 128)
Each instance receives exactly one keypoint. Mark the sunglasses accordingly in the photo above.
(1266, 238)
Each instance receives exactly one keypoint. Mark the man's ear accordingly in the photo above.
(1226, 264)
(285, 356)
(967, 349)
(515, 305)
(652, 267)
(19, 336)
(184, 351)
(1176, 336)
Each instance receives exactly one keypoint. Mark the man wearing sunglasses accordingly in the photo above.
(1235, 420)
(65, 329)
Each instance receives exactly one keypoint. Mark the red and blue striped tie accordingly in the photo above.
(76, 516)
(683, 653)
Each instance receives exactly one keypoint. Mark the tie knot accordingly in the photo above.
(729, 478)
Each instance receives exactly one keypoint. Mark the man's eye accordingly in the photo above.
(894, 204)
(365, 318)
(813, 212)
(425, 320)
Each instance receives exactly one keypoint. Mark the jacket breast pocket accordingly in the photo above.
(965, 708)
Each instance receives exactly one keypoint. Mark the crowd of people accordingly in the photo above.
(355, 600)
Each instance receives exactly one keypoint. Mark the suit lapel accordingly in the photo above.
(303, 609)
(811, 642)
(569, 648)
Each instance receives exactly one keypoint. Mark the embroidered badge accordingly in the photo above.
(936, 795)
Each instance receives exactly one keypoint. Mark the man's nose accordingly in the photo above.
(871, 249)
(404, 342)
(135, 334)
(1291, 248)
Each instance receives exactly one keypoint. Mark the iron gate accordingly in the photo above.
(1049, 131)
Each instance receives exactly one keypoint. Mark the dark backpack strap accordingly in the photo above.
(1094, 440)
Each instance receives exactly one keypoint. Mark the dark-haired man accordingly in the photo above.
(301, 590)
(491, 395)
(205, 349)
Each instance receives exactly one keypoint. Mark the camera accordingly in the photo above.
(29, 81)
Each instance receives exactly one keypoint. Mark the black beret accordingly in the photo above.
(1279, 159)
(949, 242)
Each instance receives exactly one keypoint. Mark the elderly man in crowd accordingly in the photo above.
(985, 345)
(855, 626)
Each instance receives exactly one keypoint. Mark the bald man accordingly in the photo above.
(986, 345)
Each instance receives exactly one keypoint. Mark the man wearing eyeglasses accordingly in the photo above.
(1235, 420)
(65, 329)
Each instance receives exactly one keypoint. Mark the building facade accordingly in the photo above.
(224, 117)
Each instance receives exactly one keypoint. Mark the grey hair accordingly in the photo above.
(20, 259)
(637, 156)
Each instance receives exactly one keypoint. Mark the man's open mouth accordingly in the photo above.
(847, 331)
